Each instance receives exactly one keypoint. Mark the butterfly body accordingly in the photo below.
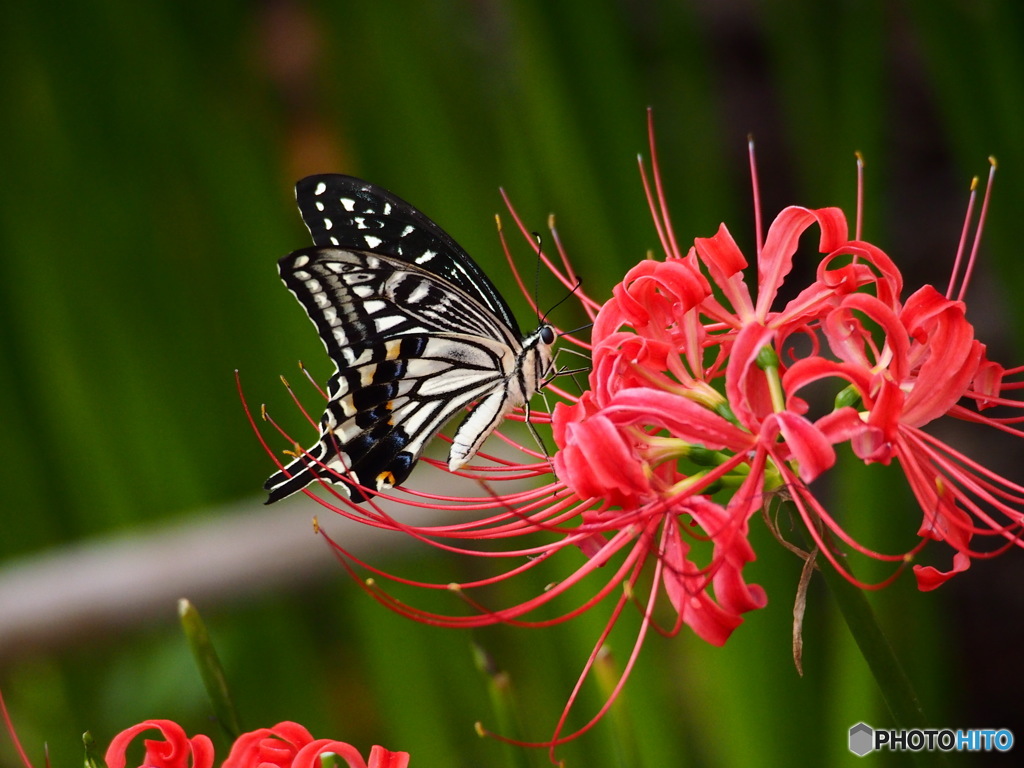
(417, 334)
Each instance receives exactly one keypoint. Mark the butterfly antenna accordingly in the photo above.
(541, 319)
(576, 287)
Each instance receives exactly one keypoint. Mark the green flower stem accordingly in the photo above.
(881, 659)
(210, 669)
(92, 757)
(768, 362)
(504, 704)
(624, 749)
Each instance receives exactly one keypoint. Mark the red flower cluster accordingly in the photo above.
(286, 745)
(698, 384)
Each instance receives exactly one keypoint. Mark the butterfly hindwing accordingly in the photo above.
(383, 409)
(410, 352)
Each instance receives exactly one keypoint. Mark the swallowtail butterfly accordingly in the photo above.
(416, 332)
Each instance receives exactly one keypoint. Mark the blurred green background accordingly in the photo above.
(147, 156)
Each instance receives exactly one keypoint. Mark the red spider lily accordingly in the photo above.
(699, 412)
(665, 337)
(286, 745)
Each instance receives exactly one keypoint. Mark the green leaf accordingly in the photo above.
(210, 668)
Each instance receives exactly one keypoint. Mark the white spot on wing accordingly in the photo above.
(328, 223)
(372, 241)
(389, 321)
(387, 209)
(320, 189)
(419, 293)
(301, 261)
(374, 306)
(347, 408)
(426, 256)
(335, 241)
(409, 229)
(347, 203)
(319, 205)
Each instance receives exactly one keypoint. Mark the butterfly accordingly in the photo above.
(416, 331)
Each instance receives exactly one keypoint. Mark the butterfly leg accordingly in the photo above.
(533, 429)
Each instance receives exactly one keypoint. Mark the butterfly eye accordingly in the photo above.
(547, 334)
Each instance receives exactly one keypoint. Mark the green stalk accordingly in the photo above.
(885, 667)
(607, 675)
(504, 704)
(210, 669)
(92, 757)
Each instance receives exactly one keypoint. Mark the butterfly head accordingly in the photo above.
(537, 348)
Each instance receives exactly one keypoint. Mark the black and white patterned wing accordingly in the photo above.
(346, 212)
(411, 351)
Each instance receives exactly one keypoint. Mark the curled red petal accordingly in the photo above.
(871, 266)
(713, 619)
(384, 758)
(625, 359)
(725, 263)
(686, 588)
(949, 355)
(776, 258)
(929, 578)
(268, 747)
(988, 381)
(851, 340)
(653, 293)
(596, 460)
(841, 425)
(177, 750)
(745, 384)
(309, 755)
(805, 442)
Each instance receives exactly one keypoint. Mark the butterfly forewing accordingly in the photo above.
(348, 212)
(416, 331)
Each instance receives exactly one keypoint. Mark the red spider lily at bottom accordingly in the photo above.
(286, 745)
